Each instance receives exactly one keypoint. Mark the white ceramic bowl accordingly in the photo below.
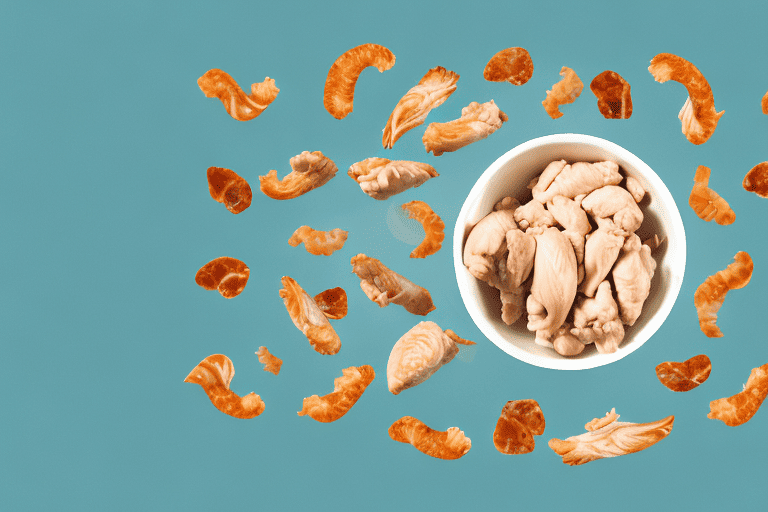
(509, 176)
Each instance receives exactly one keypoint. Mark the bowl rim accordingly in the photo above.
(665, 197)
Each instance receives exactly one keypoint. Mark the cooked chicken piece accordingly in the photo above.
(347, 390)
(706, 202)
(214, 373)
(216, 83)
(271, 362)
(566, 180)
(710, 294)
(227, 275)
(522, 248)
(600, 253)
(682, 377)
(533, 215)
(635, 188)
(519, 421)
(384, 286)
(596, 320)
(487, 243)
(614, 201)
(565, 343)
(477, 122)
(310, 171)
(632, 276)
(434, 228)
(381, 178)
(333, 303)
(569, 214)
(319, 242)
(563, 92)
(449, 445)
(738, 409)
(309, 318)
(229, 188)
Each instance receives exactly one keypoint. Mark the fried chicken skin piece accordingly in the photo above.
(739, 408)
(711, 293)
(419, 353)
(227, 275)
(347, 390)
(449, 445)
(520, 420)
(434, 228)
(563, 92)
(614, 99)
(241, 106)
(513, 65)
(319, 243)
(698, 115)
(310, 171)
(685, 376)
(477, 121)
(562, 179)
(632, 274)
(339, 93)
(607, 437)
(308, 318)
(333, 303)
(756, 180)
(271, 363)
(764, 104)
(381, 178)
(228, 188)
(432, 90)
(706, 202)
(384, 286)
(214, 373)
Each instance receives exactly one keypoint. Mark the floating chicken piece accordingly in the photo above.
(765, 104)
(562, 179)
(698, 115)
(434, 228)
(513, 65)
(477, 121)
(309, 318)
(347, 390)
(381, 178)
(596, 320)
(615, 202)
(706, 202)
(228, 275)
(563, 92)
(632, 276)
(756, 180)
(228, 188)
(271, 363)
(451, 444)
(711, 293)
(214, 373)
(241, 106)
(310, 171)
(607, 437)
(384, 286)
(684, 376)
(635, 188)
(614, 99)
(419, 353)
(333, 303)
(339, 93)
(319, 242)
(739, 408)
(520, 420)
(412, 109)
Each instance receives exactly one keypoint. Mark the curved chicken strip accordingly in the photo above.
(486, 245)
(347, 390)
(513, 65)
(381, 178)
(596, 320)
(632, 276)
(616, 202)
(333, 303)
(569, 214)
(384, 286)
(477, 122)
(434, 228)
(698, 115)
(419, 353)
(412, 109)
(563, 92)
(243, 107)
(764, 103)
(519, 421)
(451, 444)
(308, 318)
(561, 179)
(339, 93)
(635, 188)
(756, 180)
(214, 373)
(319, 242)
(271, 363)
(310, 171)
(685, 376)
(227, 275)
(614, 99)
(706, 202)
(739, 408)
(611, 438)
(601, 250)
(533, 215)
(228, 188)
(711, 293)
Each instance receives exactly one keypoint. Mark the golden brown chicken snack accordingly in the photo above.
(698, 115)
(520, 420)
(243, 107)
(271, 363)
(684, 376)
(333, 303)
(563, 92)
(308, 318)
(450, 445)
(339, 92)
(347, 390)
(412, 109)
(383, 286)
(434, 228)
(214, 373)
(711, 293)
(756, 180)
(739, 408)
(381, 178)
(513, 65)
(706, 202)
(319, 242)
(310, 171)
(614, 99)
(227, 275)
(228, 188)
(764, 104)
(477, 122)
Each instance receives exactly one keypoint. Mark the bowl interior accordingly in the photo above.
(509, 176)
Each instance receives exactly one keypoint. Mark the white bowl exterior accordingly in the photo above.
(509, 176)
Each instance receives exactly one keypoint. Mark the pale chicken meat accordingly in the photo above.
(381, 178)
(596, 320)
(477, 121)
(632, 276)
(569, 214)
(383, 286)
(615, 202)
(560, 178)
(487, 243)
(600, 253)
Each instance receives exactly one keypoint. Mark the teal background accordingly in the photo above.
(105, 217)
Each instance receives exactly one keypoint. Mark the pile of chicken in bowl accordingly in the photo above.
(569, 252)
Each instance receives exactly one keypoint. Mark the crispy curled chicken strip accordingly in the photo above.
(513, 65)
(309, 318)
(434, 228)
(227, 275)
(711, 293)
(339, 93)
(419, 353)
(412, 109)
(614, 99)
(706, 202)
(739, 408)
(477, 121)
(698, 115)
(333, 303)
(241, 106)
(310, 171)
(519, 421)
(685, 376)
(319, 242)
(596, 320)
(632, 274)
(764, 104)
(561, 179)
(563, 92)
(450, 445)
(607, 437)
(228, 188)
(381, 178)
(214, 373)
(271, 362)
(756, 180)
(384, 286)
(347, 390)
